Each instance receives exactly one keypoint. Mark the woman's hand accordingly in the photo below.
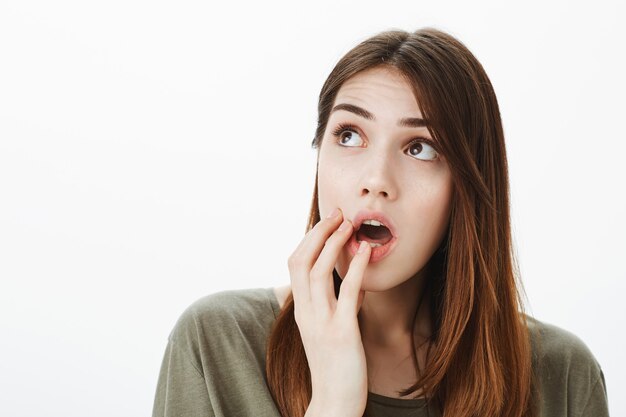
(328, 326)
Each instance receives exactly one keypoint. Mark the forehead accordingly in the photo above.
(382, 90)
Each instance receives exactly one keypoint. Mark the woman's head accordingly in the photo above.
(377, 156)
(442, 182)
(378, 165)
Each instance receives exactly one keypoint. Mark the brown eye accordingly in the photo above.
(345, 136)
(423, 151)
(417, 146)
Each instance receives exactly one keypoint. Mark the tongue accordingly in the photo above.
(374, 234)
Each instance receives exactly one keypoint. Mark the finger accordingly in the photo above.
(299, 286)
(303, 258)
(313, 243)
(322, 285)
(350, 296)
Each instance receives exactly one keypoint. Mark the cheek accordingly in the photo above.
(431, 211)
(441, 200)
(439, 208)
(331, 184)
(326, 193)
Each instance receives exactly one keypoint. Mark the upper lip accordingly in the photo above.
(363, 215)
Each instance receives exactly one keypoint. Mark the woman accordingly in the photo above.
(403, 296)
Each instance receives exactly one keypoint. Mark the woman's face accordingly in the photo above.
(370, 161)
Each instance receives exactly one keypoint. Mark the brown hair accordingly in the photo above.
(479, 361)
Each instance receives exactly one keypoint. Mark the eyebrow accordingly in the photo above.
(359, 111)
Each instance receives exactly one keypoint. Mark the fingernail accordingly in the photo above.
(334, 213)
(344, 225)
(362, 246)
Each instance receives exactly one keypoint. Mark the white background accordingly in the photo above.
(155, 152)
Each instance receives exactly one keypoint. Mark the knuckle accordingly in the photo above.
(325, 224)
(327, 221)
(347, 284)
(294, 261)
(316, 273)
(345, 230)
(333, 240)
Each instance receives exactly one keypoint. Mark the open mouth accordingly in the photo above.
(379, 237)
(376, 235)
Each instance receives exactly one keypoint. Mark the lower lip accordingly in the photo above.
(377, 254)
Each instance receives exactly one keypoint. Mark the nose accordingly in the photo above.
(378, 179)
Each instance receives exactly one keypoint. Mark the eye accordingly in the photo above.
(345, 133)
(421, 149)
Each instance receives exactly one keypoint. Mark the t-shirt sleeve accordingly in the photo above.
(181, 389)
(597, 403)
(214, 361)
(570, 378)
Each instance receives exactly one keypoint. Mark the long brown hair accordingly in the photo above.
(479, 362)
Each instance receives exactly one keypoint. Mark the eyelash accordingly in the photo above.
(342, 127)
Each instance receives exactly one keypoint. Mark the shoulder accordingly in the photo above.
(567, 373)
(215, 359)
(229, 305)
(223, 319)
(556, 346)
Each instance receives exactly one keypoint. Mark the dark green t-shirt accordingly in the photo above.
(214, 365)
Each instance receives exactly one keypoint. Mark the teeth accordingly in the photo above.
(373, 223)
(372, 244)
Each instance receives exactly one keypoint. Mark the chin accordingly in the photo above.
(374, 285)
(372, 281)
